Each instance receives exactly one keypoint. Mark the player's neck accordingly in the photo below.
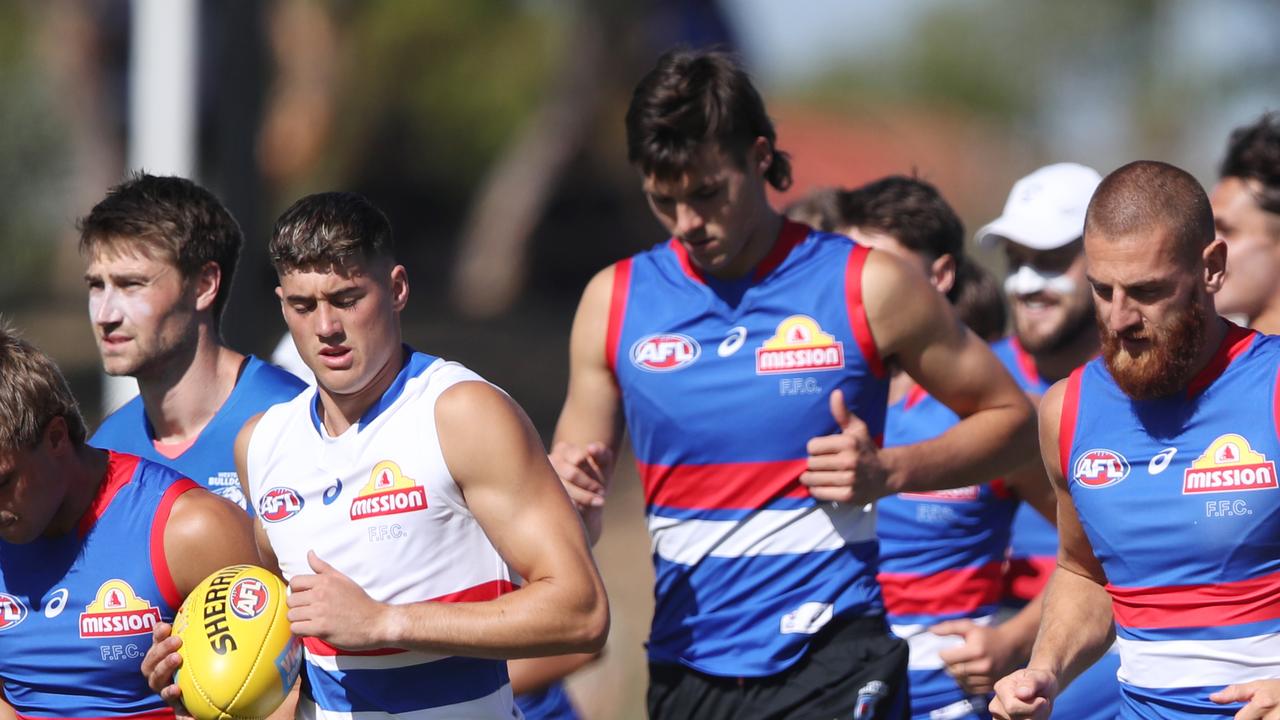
(85, 475)
(1215, 332)
(182, 399)
(1268, 321)
(1060, 362)
(338, 412)
(764, 236)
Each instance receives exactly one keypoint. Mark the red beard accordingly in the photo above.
(1164, 367)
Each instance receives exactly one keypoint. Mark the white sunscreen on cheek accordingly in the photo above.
(1029, 281)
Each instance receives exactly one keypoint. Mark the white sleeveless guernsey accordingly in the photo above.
(378, 503)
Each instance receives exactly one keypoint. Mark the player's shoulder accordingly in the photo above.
(122, 427)
(271, 382)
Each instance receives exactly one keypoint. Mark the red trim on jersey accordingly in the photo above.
(962, 590)
(1236, 341)
(1229, 603)
(617, 312)
(791, 235)
(491, 590)
(914, 396)
(1067, 422)
(857, 313)
(120, 469)
(1026, 363)
(1025, 578)
(1001, 489)
(159, 559)
(1275, 404)
(686, 263)
(164, 713)
(722, 486)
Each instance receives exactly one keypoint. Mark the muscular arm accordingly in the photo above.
(1077, 625)
(996, 433)
(590, 426)
(499, 463)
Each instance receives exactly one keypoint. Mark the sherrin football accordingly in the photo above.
(239, 659)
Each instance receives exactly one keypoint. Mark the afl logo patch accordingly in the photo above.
(279, 503)
(664, 352)
(1100, 468)
(12, 611)
(248, 598)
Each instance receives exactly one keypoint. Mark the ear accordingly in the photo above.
(56, 435)
(1215, 265)
(942, 273)
(207, 282)
(761, 156)
(399, 287)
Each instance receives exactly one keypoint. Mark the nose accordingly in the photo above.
(103, 309)
(1122, 313)
(688, 221)
(327, 322)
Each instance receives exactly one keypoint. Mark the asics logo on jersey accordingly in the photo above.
(664, 352)
(1100, 468)
(57, 602)
(730, 344)
(1161, 460)
(12, 611)
(279, 504)
(332, 492)
(1229, 464)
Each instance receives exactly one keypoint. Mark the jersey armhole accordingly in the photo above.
(159, 561)
(1067, 421)
(858, 323)
(1275, 405)
(617, 313)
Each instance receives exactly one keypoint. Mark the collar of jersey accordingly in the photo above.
(416, 364)
(791, 235)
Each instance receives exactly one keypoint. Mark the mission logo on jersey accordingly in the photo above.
(12, 611)
(664, 352)
(117, 611)
(388, 492)
(1229, 464)
(799, 345)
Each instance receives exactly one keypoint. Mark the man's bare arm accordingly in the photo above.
(498, 461)
(996, 433)
(590, 426)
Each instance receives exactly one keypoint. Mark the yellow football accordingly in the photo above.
(239, 659)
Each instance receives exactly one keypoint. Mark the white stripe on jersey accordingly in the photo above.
(925, 646)
(1198, 663)
(768, 532)
(498, 705)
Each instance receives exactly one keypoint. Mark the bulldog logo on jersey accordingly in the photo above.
(1100, 468)
(12, 612)
(799, 345)
(664, 352)
(279, 504)
(117, 611)
(388, 492)
(1229, 464)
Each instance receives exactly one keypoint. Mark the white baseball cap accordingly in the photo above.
(1045, 209)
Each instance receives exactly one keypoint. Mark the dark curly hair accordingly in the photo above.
(1253, 153)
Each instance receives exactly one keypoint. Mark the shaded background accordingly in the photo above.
(490, 131)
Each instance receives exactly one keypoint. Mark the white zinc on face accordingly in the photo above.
(1028, 280)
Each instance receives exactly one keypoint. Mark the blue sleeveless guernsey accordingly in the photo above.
(1179, 499)
(209, 461)
(941, 557)
(722, 388)
(76, 611)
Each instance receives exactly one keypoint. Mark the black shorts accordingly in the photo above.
(854, 670)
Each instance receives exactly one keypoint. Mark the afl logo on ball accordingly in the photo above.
(1100, 468)
(12, 611)
(248, 598)
(664, 352)
(279, 503)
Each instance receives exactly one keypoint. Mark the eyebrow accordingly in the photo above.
(342, 292)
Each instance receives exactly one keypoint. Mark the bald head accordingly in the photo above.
(1146, 197)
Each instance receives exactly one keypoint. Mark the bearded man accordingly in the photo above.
(1163, 455)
